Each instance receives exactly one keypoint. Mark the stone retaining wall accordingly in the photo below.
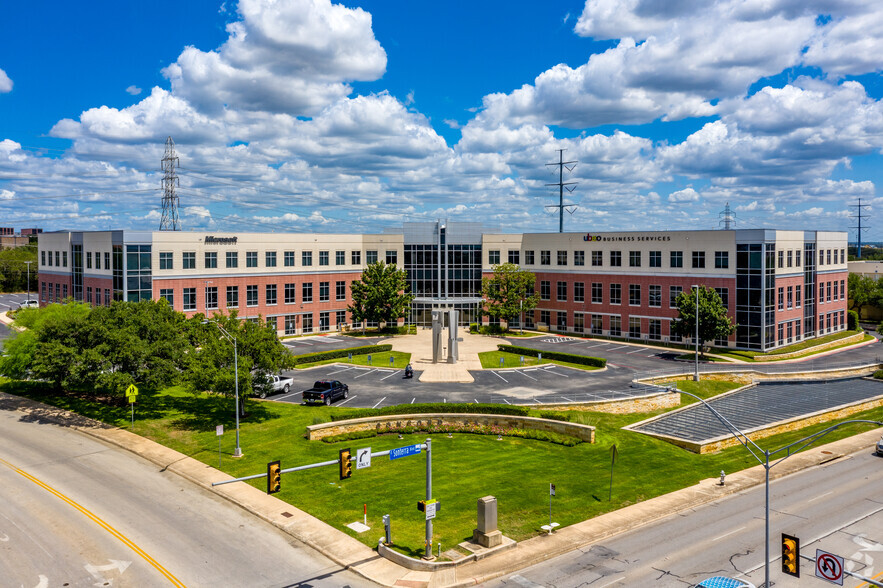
(584, 432)
(625, 406)
(749, 375)
(857, 338)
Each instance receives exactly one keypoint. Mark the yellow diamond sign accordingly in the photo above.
(132, 392)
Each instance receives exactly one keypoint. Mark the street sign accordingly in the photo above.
(829, 567)
(219, 430)
(132, 390)
(430, 510)
(551, 489)
(363, 458)
(404, 451)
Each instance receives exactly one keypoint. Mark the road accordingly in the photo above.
(837, 507)
(79, 513)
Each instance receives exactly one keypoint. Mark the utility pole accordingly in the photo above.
(170, 182)
(29, 281)
(561, 186)
(859, 210)
(727, 218)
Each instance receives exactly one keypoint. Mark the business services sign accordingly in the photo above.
(626, 238)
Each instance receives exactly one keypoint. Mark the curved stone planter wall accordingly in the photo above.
(857, 338)
(584, 432)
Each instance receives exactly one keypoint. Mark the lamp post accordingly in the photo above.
(696, 338)
(29, 281)
(237, 452)
(757, 452)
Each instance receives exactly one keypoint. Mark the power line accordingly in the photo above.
(169, 221)
(859, 209)
(561, 186)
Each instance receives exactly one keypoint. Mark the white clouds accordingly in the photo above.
(6, 194)
(133, 90)
(685, 195)
(5, 83)
(851, 44)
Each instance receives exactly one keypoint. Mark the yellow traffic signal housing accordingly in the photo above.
(346, 468)
(790, 555)
(274, 477)
(421, 505)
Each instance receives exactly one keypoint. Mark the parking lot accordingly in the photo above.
(11, 302)
(319, 343)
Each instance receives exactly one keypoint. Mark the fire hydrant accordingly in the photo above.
(723, 475)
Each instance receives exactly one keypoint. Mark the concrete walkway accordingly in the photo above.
(420, 348)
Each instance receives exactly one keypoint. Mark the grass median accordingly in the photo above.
(465, 467)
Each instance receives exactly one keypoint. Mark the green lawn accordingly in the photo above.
(381, 359)
(491, 360)
(746, 355)
(465, 467)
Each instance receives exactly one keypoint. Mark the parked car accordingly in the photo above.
(326, 391)
(724, 582)
(880, 446)
(29, 304)
(274, 385)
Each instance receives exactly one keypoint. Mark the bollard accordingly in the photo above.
(439, 549)
(501, 362)
(723, 475)
(386, 529)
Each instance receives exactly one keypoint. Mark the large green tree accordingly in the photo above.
(14, 269)
(713, 320)
(380, 295)
(864, 291)
(508, 292)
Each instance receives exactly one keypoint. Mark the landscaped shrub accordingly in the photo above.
(338, 353)
(555, 415)
(440, 407)
(472, 429)
(851, 320)
(473, 328)
(568, 357)
(491, 330)
(878, 374)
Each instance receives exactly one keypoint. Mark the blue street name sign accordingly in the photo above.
(404, 451)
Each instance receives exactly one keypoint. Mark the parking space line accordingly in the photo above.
(347, 400)
(620, 347)
(346, 369)
(506, 401)
(549, 369)
(654, 354)
(395, 372)
(526, 376)
(537, 401)
(326, 338)
(378, 402)
(597, 345)
(639, 348)
(287, 396)
(568, 399)
(476, 400)
(365, 374)
(499, 376)
(413, 399)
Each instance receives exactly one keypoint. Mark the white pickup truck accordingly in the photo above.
(275, 385)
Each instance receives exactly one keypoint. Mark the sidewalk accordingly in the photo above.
(353, 555)
(420, 348)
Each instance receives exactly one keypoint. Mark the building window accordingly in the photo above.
(211, 259)
(836, 289)
(88, 265)
(597, 258)
(251, 259)
(324, 291)
(43, 257)
(306, 294)
(545, 258)
(323, 321)
(308, 323)
(545, 290)
(722, 259)
(562, 292)
(371, 256)
(106, 259)
(251, 295)
(579, 292)
(211, 297)
(828, 297)
(789, 265)
(698, 259)
(797, 298)
(616, 326)
(188, 260)
(829, 257)
(579, 258)
(561, 326)
(835, 263)
(656, 259)
(270, 258)
(306, 258)
(578, 322)
(562, 257)
(392, 257)
(165, 260)
(340, 318)
(781, 256)
(597, 292)
(615, 294)
(290, 293)
(340, 258)
(288, 258)
(654, 331)
(529, 257)
(356, 257)
(821, 292)
(781, 337)
(634, 294)
(545, 316)
(56, 258)
(232, 259)
(514, 256)
(167, 293)
(781, 298)
(673, 292)
(596, 324)
(323, 258)
(232, 296)
(189, 299)
(493, 257)
(98, 262)
(724, 294)
(340, 291)
(790, 297)
(655, 293)
(271, 293)
(634, 259)
(634, 328)
(797, 263)
(676, 259)
(616, 259)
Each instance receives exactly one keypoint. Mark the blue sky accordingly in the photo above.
(297, 115)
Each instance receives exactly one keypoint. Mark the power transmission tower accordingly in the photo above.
(561, 186)
(859, 209)
(727, 218)
(170, 182)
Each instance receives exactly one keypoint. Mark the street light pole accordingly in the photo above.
(696, 338)
(29, 280)
(237, 451)
(747, 443)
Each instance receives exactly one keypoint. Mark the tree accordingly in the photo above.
(14, 270)
(713, 320)
(381, 295)
(864, 291)
(509, 292)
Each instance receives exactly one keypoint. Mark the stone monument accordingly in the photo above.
(487, 534)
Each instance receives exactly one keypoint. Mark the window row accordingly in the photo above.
(230, 259)
(272, 294)
(654, 293)
(615, 258)
(59, 257)
(825, 291)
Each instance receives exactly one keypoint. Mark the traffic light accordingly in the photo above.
(274, 477)
(346, 468)
(790, 555)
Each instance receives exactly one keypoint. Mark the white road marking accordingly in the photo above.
(820, 496)
(621, 347)
(612, 365)
(333, 340)
(506, 401)
(346, 369)
(537, 401)
(347, 400)
(612, 583)
(499, 376)
(476, 400)
(567, 399)
(596, 345)
(389, 376)
(378, 402)
(728, 534)
(636, 350)
(412, 400)
(287, 396)
(526, 376)
(365, 374)
(549, 369)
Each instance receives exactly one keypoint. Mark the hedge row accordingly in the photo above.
(339, 353)
(391, 428)
(440, 407)
(568, 357)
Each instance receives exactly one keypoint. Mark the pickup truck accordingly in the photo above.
(273, 385)
(326, 391)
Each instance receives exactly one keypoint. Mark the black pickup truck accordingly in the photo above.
(326, 391)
